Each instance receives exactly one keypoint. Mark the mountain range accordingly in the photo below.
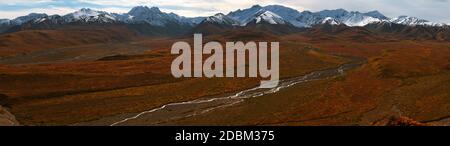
(153, 21)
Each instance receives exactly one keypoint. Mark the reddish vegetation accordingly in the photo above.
(400, 77)
(27, 41)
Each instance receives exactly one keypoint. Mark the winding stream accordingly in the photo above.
(174, 111)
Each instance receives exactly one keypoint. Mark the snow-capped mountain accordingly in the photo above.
(269, 17)
(413, 21)
(89, 15)
(246, 15)
(376, 14)
(330, 20)
(357, 19)
(342, 16)
(335, 17)
(152, 16)
(23, 19)
(273, 14)
(307, 18)
(53, 19)
(288, 14)
(221, 19)
(141, 14)
(261, 14)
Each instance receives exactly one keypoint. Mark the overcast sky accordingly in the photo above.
(433, 10)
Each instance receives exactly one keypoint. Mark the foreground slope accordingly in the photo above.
(28, 41)
(98, 76)
(6, 118)
(405, 79)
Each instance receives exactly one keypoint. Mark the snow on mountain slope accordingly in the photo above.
(308, 19)
(137, 15)
(51, 20)
(408, 20)
(287, 14)
(89, 15)
(246, 15)
(154, 16)
(222, 19)
(352, 18)
(357, 19)
(376, 14)
(273, 14)
(23, 19)
(151, 16)
(412, 21)
(330, 20)
(269, 17)
(83, 13)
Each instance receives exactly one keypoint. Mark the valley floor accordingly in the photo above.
(105, 83)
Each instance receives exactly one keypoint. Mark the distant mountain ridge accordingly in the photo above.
(151, 19)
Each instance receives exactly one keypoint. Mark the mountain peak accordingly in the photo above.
(155, 9)
(269, 17)
(34, 15)
(376, 14)
(219, 15)
(341, 10)
(29, 17)
(407, 20)
(333, 13)
(221, 19)
(87, 15)
(270, 14)
(331, 21)
(256, 6)
(139, 9)
(275, 8)
(86, 10)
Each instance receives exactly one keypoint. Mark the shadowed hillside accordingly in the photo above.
(28, 41)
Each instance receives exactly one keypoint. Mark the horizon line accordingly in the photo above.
(128, 9)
